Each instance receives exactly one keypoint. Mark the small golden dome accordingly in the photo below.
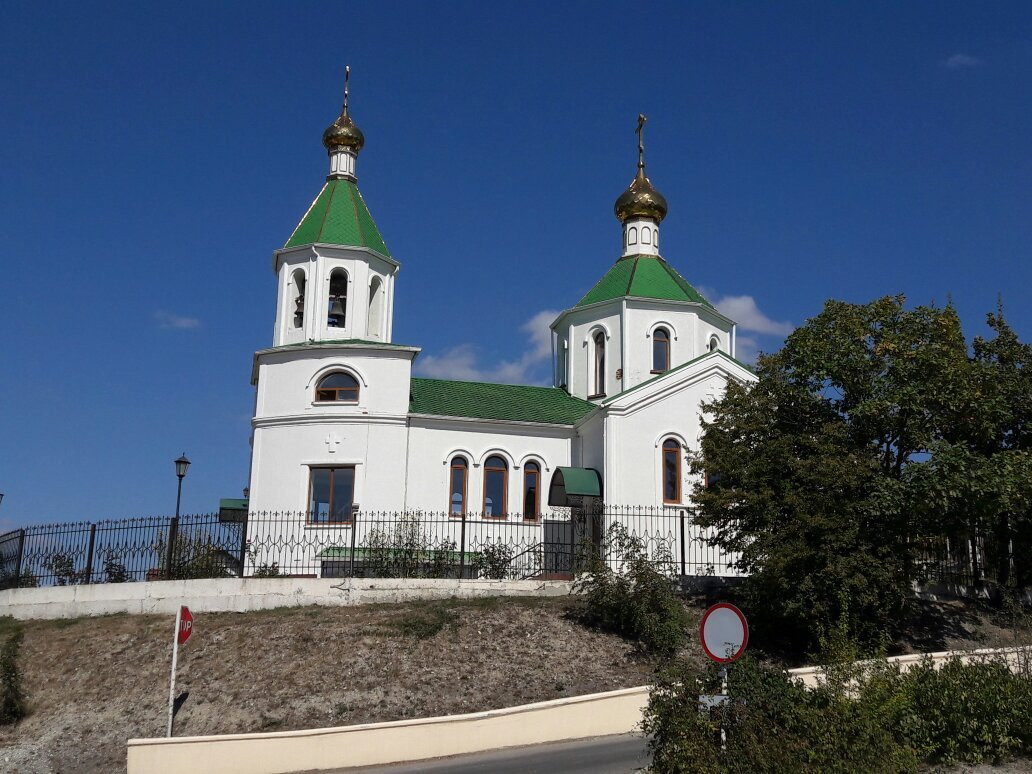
(640, 200)
(342, 134)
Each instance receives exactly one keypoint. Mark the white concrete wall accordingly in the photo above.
(433, 442)
(579, 717)
(241, 595)
(634, 440)
(578, 329)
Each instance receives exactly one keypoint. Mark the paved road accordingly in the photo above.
(605, 755)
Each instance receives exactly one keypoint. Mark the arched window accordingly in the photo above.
(299, 297)
(671, 461)
(714, 342)
(336, 314)
(660, 350)
(646, 236)
(531, 491)
(600, 364)
(336, 387)
(457, 487)
(496, 484)
(632, 235)
(375, 308)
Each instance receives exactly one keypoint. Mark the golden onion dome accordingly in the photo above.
(342, 134)
(640, 200)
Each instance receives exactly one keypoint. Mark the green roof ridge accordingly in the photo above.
(695, 359)
(339, 217)
(643, 276)
(487, 400)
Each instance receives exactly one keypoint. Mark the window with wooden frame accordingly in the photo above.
(331, 495)
(458, 475)
(531, 491)
(671, 462)
(600, 365)
(337, 387)
(660, 350)
(496, 486)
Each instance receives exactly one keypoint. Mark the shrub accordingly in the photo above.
(966, 712)
(265, 570)
(116, 571)
(12, 695)
(493, 560)
(864, 718)
(62, 567)
(408, 551)
(639, 602)
(773, 725)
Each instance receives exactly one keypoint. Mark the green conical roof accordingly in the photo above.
(338, 216)
(643, 276)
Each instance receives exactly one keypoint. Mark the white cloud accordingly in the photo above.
(461, 362)
(961, 62)
(169, 321)
(745, 311)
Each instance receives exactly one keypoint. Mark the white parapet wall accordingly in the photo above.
(240, 595)
(370, 744)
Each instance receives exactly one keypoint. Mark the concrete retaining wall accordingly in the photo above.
(579, 717)
(244, 594)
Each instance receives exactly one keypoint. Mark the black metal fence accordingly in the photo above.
(369, 544)
(408, 544)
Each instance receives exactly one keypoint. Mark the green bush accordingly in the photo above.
(12, 695)
(409, 551)
(773, 725)
(638, 602)
(966, 712)
(493, 560)
(869, 718)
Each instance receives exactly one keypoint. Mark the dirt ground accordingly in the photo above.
(93, 683)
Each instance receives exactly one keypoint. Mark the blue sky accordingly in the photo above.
(153, 158)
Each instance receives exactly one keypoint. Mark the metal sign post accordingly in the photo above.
(182, 632)
(724, 633)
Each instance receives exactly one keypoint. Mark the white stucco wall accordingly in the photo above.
(434, 441)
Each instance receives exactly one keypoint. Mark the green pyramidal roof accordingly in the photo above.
(338, 216)
(643, 276)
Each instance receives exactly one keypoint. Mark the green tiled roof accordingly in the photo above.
(479, 400)
(644, 276)
(338, 216)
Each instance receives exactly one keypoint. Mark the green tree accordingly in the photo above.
(814, 461)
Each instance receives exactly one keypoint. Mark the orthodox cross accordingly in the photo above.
(332, 442)
(640, 131)
(347, 77)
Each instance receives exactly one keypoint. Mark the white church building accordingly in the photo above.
(342, 427)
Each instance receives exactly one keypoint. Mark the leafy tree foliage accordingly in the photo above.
(872, 431)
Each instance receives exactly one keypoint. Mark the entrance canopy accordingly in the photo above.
(570, 486)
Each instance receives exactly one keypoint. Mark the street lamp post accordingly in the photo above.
(181, 465)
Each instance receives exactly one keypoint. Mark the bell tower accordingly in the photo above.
(335, 273)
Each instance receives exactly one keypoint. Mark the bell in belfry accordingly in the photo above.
(336, 316)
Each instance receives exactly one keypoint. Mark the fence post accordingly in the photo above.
(89, 553)
(354, 535)
(243, 544)
(18, 563)
(173, 532)
(683, 573)
(573, 536)
(462, 545)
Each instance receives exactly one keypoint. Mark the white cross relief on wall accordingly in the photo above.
(332, 442)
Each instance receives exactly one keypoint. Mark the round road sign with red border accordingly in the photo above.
(724, 632)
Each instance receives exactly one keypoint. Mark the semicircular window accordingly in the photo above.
(337, 387)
